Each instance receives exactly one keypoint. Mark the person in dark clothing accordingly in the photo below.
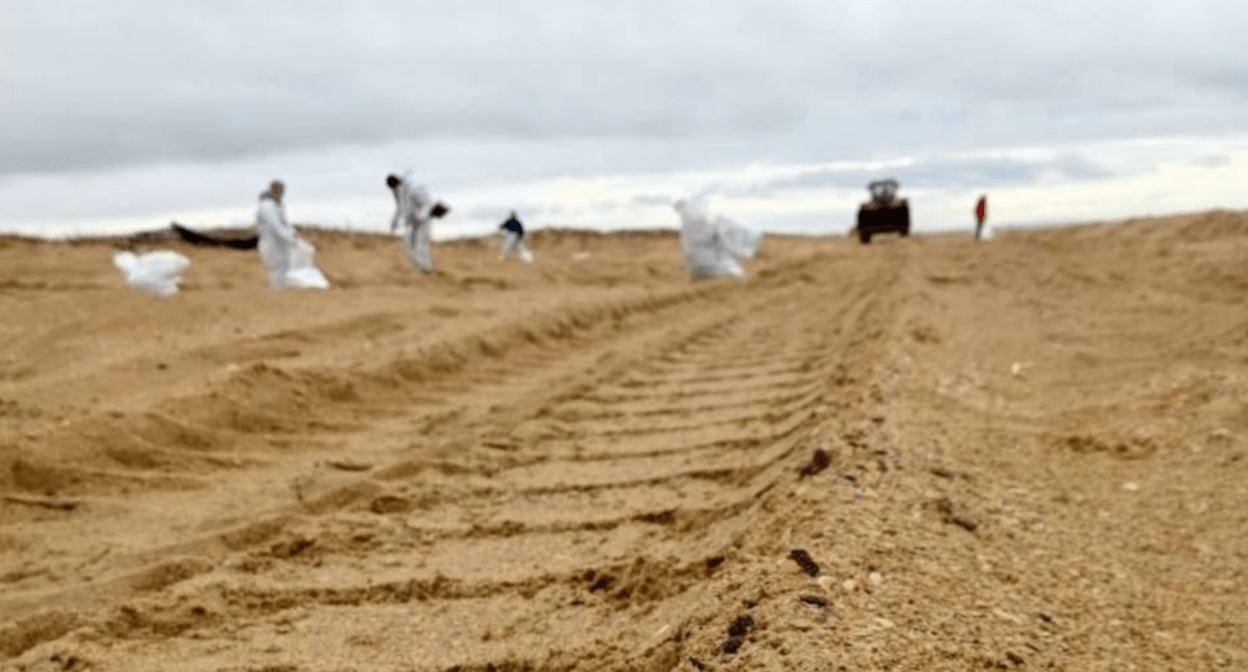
(513, 224)
(513, 239)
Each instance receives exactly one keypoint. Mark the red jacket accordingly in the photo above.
(981, 209)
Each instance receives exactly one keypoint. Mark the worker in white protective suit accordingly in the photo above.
(415, 209)
(287, 257)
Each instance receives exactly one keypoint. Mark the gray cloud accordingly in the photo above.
(93, 86)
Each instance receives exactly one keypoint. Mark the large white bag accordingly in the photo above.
(741, 241)
(513, 243)
(705, 251)
(302, 272)
(158, 272)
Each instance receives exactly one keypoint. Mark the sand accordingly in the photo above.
(923, 454)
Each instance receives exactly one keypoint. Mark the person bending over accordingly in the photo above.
(513, 240)
(414, 210)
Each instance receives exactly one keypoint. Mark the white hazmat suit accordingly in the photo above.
(288, 258)
(413, 210)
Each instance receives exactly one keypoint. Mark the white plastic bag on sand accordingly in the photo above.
(302, 272)
(513, 243)
(291, 264)
(705, 251)
(740, 240)
(158, 272)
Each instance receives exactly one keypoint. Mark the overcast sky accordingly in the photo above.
(128, 113)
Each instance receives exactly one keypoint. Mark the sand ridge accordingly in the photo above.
(921, 454)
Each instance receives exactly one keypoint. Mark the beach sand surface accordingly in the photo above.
(920, 454)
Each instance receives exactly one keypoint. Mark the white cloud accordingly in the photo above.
(1038, 185)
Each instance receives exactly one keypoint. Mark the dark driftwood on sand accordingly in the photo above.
(204, 240)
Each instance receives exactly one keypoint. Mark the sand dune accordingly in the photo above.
(1031, 454)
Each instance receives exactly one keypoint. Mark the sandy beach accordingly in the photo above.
(921, 454)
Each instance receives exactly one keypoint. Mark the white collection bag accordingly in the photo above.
(513, 243)
(711, 249)
(158, 272)
(741, 241)
(302, 272)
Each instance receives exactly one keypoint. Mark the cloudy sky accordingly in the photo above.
(126, 115)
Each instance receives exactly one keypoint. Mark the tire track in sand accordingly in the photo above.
(583, 512)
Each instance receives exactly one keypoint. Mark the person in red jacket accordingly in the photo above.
(981, 213)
